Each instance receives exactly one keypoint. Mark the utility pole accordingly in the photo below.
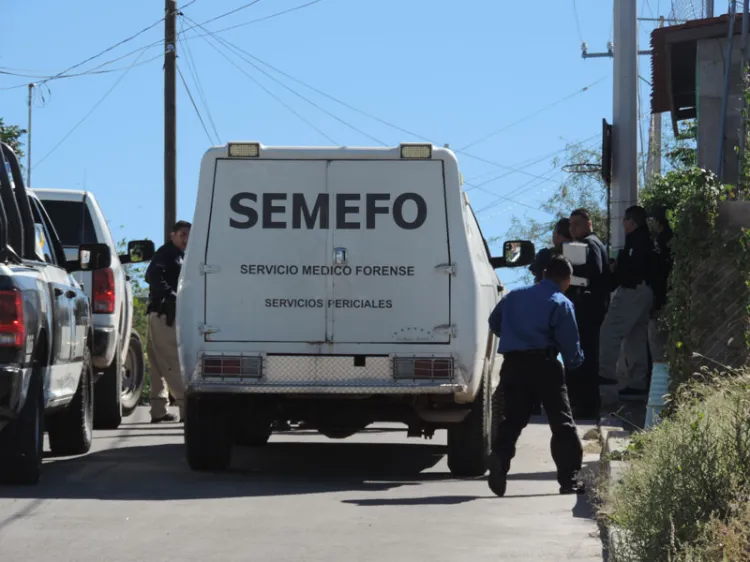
(170, 117)
(28, 138)
(709, 8)
(625, 117)
(743, 122)
(653, 167)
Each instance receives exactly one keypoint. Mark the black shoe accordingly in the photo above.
(165, 418)
(498, 479)
(574, 488)
(606, 382)
(633, 394)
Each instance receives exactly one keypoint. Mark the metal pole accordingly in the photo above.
(28, 138)
(709, 8)
(625, 118)
(170, 118)
(725, 95)
(743, 119)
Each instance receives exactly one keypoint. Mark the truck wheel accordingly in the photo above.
(22, 440)
(108, 399)
(71, 431)
(208, 440)
(469, 441)
(133, 378)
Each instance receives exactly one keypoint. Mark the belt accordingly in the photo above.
(533, 353)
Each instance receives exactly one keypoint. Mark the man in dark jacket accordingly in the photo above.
(162, 275)
(591, 304)
(657, 333)
(630, 309)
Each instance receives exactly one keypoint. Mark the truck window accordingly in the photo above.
(72, 222)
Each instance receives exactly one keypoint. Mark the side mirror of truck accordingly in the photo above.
(138, 251)
(516, 253)
(91, 257)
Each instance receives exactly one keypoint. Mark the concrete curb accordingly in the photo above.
(614, 441)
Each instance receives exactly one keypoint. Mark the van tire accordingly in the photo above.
(135, 366)
(254, 435)
(468, 441)
(108, 399)
(208, 440)
(22, 441)
(71, 431)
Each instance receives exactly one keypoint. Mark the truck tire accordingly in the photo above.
(108, 398)
(208, 440)
(134, 377)
(71, 431)
(469, 441)
(22, 441)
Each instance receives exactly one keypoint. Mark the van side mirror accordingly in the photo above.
(138, 251)
(516, 253)
(91, 257)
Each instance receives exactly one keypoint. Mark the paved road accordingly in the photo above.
(373, 497)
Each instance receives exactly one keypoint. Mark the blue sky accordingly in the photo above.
(455, 72)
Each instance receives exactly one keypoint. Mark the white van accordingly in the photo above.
(339, 287)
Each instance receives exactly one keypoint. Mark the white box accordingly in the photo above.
(576, 252)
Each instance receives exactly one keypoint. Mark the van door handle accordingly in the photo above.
(58, 292)
(70, 294)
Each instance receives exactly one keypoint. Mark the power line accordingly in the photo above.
(229, 45)
(96, 105)
(271, 16)
(197, 111)
(534, 114)
(196, 78)
(578, 21)
(270, 93)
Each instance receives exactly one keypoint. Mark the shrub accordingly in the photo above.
(688, 477)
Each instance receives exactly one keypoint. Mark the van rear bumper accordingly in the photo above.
(319, 374)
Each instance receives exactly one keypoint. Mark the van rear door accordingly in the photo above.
(392, 236)
(257, 245)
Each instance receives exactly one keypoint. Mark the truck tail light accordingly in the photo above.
(423, 368)
(226, 366)
(104, 291)
(12, 329)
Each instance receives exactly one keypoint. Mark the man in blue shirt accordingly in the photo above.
(534, 324)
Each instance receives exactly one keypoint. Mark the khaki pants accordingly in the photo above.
(164, 366)
(625, 328)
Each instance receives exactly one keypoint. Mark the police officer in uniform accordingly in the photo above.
(560, 235)
(162, 275)
(591, 305)
(534, 324)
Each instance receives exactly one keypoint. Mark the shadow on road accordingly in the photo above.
(160, 472)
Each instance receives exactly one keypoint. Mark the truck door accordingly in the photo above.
(392, 236)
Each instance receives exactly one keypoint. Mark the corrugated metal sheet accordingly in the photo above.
(673, 63)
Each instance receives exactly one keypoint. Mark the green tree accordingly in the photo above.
(586, 190)
(11, 135)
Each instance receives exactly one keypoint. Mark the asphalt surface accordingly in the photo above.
(377, 496)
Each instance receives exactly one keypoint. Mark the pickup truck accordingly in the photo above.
(117, 352)
(46, 378)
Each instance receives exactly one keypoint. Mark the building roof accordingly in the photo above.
(673, 64)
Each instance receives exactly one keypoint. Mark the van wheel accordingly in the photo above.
(337, 433)
(108, 400)
(22, 440)
(208, 440)
(133, 378)
(469, 441)
(255, 434)
(71, 431)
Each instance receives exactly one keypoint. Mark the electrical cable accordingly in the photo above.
(196, 78)
(96, 105)
(229, 45)
(270, 93)
(578, 21)
(271, 16)
(197, 111)
(535, 113)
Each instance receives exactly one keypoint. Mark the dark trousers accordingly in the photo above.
(583, 382)
(526, 376)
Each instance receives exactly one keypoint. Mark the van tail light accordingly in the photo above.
(225, 366)
(12, 329)
(423, 368)
(104, 291)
